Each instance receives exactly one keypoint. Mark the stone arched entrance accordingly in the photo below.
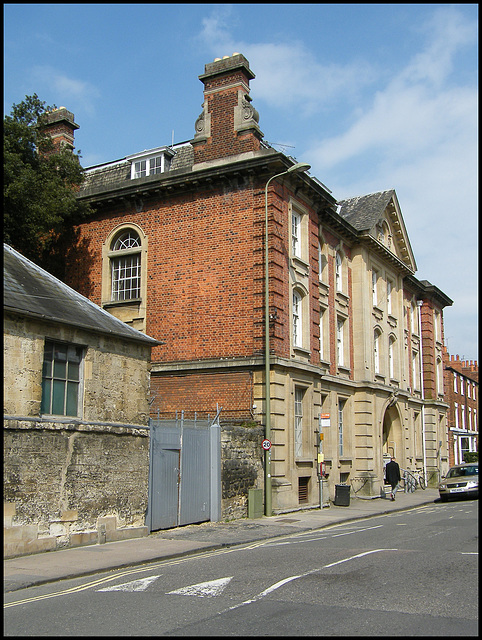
(392, 441)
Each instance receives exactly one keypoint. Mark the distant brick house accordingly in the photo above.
(76, 410)
(177, 246)
(462, 395)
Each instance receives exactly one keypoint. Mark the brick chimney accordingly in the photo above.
(228, 124)
(60, 126)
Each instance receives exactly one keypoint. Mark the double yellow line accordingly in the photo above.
(121, 574)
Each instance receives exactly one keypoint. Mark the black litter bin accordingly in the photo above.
(342, 495)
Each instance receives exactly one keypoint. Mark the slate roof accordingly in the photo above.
(30, 290)
(118, 173)
(363, 212)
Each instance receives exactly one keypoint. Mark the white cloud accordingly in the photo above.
(447, 33)
(69, 90)
(312, 83)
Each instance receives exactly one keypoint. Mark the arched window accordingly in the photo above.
(376, 349)
(391, 356)
(125, 261)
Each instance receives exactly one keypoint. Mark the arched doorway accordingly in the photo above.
(392, 441)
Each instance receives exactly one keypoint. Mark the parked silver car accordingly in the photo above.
(462, 480)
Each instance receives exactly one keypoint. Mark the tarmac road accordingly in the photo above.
(409, 571)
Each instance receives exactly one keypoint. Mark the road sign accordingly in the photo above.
(266, 444)
(324, 420)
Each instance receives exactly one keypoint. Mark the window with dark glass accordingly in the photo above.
(61, 378)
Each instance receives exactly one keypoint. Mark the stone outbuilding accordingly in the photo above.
(76, 412)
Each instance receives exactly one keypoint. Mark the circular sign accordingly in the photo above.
(266, 444)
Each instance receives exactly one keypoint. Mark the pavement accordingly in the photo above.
(40, 568)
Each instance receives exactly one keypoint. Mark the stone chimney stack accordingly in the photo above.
(60, 126)
(228, 124)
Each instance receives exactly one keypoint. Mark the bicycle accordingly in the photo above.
(414, 478)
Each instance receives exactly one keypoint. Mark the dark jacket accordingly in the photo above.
(392, 473)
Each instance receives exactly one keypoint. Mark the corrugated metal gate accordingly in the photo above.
(184, 472)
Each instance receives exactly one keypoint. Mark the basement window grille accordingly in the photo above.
(303, 485)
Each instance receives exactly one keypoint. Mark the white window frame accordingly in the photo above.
(415, 327)
(341, 407)
(376, 350)
(296, 218)
(375, 277)
(436, 323)
(391, 357)
(338, 272)
(151, 162)
(297, 319)
(456, 414)
(322, 262)
(440, 380)
(125, 264)
(415, 370)
(298, 421)
(340, 352)
(389, 297)
(322, 333)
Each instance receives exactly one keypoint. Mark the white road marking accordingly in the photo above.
(359, 555)
(356, 531)
(135, 585)
(279, 584)
(203, 589)
(300, 540)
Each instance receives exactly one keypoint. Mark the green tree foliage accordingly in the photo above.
(40, 185)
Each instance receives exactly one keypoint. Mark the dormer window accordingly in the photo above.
(150, 162)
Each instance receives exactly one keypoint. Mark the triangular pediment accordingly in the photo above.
(377, 217)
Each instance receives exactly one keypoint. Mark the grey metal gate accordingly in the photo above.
(184, 472)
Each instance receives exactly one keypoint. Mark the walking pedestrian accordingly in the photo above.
(393, 477)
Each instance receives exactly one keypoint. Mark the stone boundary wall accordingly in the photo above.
(72, 484)
(68, 484)
(242, 466)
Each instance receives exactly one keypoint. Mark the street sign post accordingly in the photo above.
(323, 422)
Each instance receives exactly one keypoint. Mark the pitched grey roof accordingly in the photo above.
(118, 173)
(363, 212)
(32, 291)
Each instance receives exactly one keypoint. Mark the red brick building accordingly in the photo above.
(176, 248)
(462, 395)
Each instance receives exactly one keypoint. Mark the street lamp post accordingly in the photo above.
(296, 168)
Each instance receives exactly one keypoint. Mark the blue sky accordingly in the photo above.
(373, 96)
